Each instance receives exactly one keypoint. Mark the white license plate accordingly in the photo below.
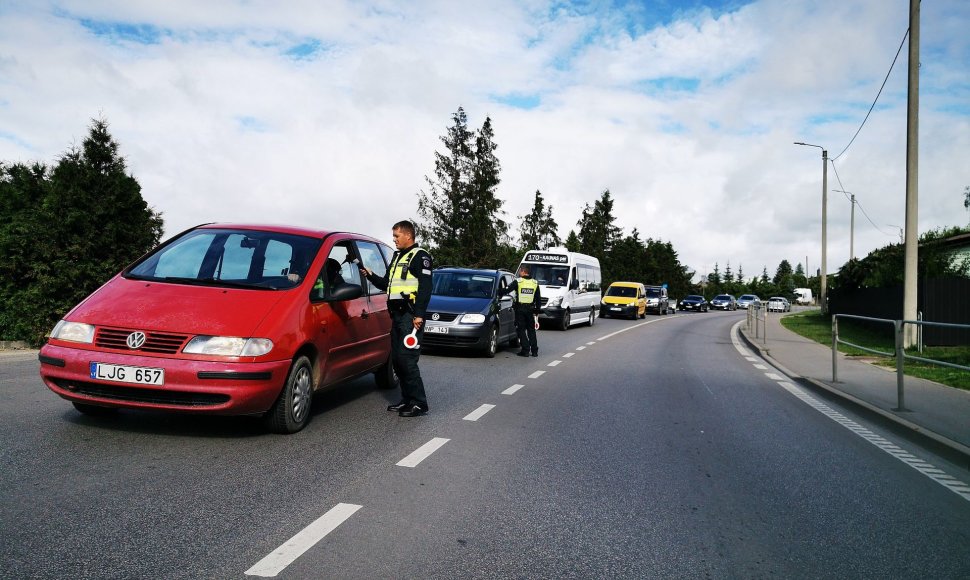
(127, 374)
(615, 308)
(436, 329)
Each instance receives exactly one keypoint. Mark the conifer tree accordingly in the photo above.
(597, 230)
(539, 229)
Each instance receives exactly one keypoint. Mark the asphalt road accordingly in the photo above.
(660, 451)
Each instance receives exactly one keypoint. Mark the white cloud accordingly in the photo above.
(690, 125)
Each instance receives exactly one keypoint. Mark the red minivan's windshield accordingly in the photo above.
(232, 258)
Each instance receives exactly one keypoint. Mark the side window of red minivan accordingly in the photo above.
(338, 268)
(373, 259)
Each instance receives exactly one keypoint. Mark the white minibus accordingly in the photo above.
(569, 285)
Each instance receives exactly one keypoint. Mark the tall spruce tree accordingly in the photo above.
(597, 230)
(461, 212)
(443, 207)
(538, 228)
(484, 229)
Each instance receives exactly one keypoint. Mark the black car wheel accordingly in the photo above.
(291, 411)
(492, 346)
(592, 317)
(564, 323)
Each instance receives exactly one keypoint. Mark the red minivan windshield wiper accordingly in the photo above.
(214, 282)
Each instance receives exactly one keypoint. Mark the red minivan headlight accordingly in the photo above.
(228, 346)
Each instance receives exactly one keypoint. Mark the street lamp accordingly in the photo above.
(851, 223)
(825, 198)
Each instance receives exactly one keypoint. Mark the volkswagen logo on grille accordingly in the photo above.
(136, 340)
(435, 316)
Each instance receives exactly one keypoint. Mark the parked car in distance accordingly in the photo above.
(724, 302)
(693, 302)
(466, 311)
(803, 296)
(227, 319)
(627, 299)
(657, 299)
(747, 299)
(779, 304)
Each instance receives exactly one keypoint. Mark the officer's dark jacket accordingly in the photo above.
(420, 267)
(536, 302)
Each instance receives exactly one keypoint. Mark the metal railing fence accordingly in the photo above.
(899, 353)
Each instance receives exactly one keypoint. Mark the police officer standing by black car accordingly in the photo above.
(528, 305)
(408, 285)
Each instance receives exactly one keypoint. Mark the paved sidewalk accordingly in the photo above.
(936, 411)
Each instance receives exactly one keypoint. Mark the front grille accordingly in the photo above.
(142, 395)
(155, 342)
(442, 316)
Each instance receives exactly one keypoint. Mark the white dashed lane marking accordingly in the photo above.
(477, 413)
(293, 548)
(568, 355)
(511, 390)
(580, 348)
(537, 374)
(761, 367)
(555, 363)
(422, 453)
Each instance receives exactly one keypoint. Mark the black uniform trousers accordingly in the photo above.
(405, 360)
(525, 328)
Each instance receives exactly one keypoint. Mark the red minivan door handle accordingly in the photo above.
(364, 314)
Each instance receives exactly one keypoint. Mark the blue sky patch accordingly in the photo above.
(518, 100)
(251, 124)
(124, 31)
(305, 50)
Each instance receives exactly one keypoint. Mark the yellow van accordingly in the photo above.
(626, 299)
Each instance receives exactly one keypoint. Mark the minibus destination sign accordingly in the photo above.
(550, 258)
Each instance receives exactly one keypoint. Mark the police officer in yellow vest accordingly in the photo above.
(408, 285)
(528, 304)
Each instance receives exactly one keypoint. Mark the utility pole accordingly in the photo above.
(851, 223)
(823, 282)
(912, 183)
(852, 229)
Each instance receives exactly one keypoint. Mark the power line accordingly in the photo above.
(905, 35)
(858, 203)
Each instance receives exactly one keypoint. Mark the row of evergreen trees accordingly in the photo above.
(462, 222)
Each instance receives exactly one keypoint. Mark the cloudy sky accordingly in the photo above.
(328, 113)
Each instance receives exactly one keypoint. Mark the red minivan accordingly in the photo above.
(228, 319)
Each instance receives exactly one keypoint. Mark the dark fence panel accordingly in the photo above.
(945, 300)
(939, 299)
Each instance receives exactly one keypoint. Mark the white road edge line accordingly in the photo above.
(511, 390)
(281, 557)
(537, 374)
(477, 413)
(422, 453)
(876, 440)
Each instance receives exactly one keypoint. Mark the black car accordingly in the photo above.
(693, 302)
(466, 311)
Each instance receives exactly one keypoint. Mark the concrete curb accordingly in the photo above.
(13, 345)
(935, 438)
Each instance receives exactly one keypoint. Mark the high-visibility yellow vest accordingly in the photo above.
(400, 284)
(526, 290)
